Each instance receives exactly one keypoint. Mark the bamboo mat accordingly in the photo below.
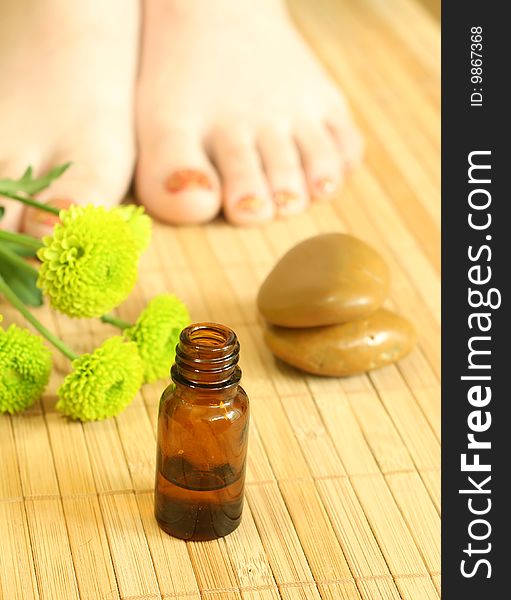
(343, 492)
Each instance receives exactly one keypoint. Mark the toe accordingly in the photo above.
(176, 181)
(99, 174)
(321, 159)
(347, 137)
(284, 173)
(38, 222)
(246, 198)
(11, 218)
(84, 186)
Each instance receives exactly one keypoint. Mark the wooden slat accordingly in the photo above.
(312, 435)
(420, 514)
(429, 401)
(416, 588)
(168, 249)
(52, 554)
(130, 310)
(35, 456)
(258, 466)
(131, 558)
(359, 545)
(345, 432)
(317, 537)
(302, 591)
(70, 455)
(139, 444)
(10, 480)
(432, 482)
(437, 583)
(107, 458)
(382, 588)
(222, 306)
(382, 437)
(17, 573)
(213, 569)
(170, 556)
(346, 590)
(388, 525)
(281, 446)
(255, 376)
(280, 540)
(261, 594)
(247, 555)
(89, 547)
(411, 424)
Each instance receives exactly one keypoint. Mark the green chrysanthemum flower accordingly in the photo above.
(103, 383)
(156, 334)
(139, 222)
(89, 264)
(25, 366)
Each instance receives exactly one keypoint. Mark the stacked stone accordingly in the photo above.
(323, 303)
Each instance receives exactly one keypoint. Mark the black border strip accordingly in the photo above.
(476, 256)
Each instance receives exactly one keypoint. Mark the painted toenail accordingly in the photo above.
(250, 204)
(48, 219)
(325, 186)
(187, 179)
(285, 199)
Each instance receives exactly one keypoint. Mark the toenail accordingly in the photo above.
(285, 199)
(44, 218)
(325, 186)
(186, 179)
(251, 204)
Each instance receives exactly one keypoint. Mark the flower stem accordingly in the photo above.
(115, 321)
(11, 297)
(31, 202)
(21, 239)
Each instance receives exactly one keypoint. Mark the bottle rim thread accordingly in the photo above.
(207, 356)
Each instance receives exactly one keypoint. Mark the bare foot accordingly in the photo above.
(67, 72)
(235, 112)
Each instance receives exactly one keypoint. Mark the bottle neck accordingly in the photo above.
(207, 357)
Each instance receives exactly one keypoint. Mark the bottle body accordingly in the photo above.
(201, 452)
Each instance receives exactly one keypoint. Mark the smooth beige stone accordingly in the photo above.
(346, 349)
(325, 280)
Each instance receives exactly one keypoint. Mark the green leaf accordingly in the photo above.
(2, 210)
(29, 185)
(20, 243)
(20, 276)
(22, 284)
(19, 249)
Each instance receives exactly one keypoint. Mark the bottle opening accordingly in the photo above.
(207, 336)
(207, 356)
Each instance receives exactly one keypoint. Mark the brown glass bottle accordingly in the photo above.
(202, 437)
